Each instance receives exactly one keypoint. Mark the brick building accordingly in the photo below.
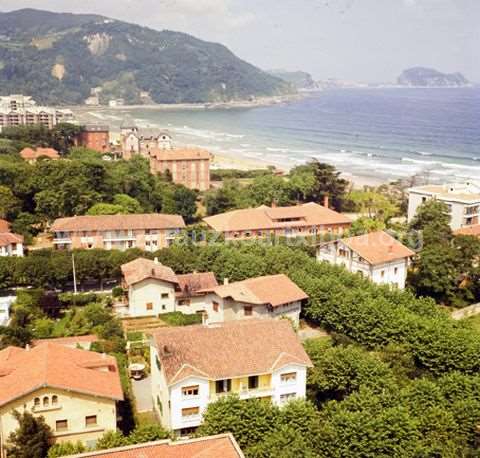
(95, 137)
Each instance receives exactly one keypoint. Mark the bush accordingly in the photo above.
(180, 319)
(80, 299)
(117, 291)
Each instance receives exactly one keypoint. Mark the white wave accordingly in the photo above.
(418, 161)
(424, 153)
(278, 150)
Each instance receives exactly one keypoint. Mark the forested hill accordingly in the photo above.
(59, 58)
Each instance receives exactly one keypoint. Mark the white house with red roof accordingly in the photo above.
(10, 244)
(377, 256)
(192, 366)
(74, 390)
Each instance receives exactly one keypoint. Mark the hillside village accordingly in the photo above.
(152, 304)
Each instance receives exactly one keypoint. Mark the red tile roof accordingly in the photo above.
(30, 154)
(7, 238)
(4, 226)
(266, 218)
(193, 284)
(274, 290)
(378, 247)
(47, 364)
(118, 222)
(141, 269)
(221, 446)
(469, 230)
(226, 350)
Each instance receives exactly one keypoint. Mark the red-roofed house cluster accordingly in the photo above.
(10, 244)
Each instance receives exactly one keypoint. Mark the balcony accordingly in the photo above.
(245, 393)
(62, 240)
(119, 237)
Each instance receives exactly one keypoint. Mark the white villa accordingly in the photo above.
(377, 256)
(463, 201)
(195, 365)
(154, 289)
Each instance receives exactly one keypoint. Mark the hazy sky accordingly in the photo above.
(371, 40)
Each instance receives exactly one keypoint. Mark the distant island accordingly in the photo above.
(72, 59)
(429, 77)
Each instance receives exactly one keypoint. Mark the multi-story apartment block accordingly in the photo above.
(154, 288)
(193, 366)
(148, 232)
(19, 110)
(377, 256)
(219, 446)
(301, 220)
(95, 137)
(187, 166)
(75, 391)
(463, 201)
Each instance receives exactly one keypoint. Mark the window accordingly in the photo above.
(164, 307)
(164, 295)
(342, 253)
(223, 386)
(160, 406)
(248, 310)
(36, 402)
(190, 412)
(288, 377)
(149, 306)
(54, 400)
(91, 420)
(286, 397)
(46, 401)
(157, 362)
(395, 271)
(424, 199)
(189, 391)
(215, 306)
(187, 431)
(61, 425)
(184, 302)
(382, 273)
(253, 382)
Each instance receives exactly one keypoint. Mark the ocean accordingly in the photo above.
(386, 133)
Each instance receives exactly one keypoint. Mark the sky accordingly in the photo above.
(360, 40)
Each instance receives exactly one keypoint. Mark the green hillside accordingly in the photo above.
(59, 58)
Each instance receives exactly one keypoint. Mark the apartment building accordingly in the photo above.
(219, 446)
(377, 255)
(153, 288)
(75, 391)
(20, 110)
(307, 219)
(195, 365)
(149, 232)
(95, 137)
(462, 200)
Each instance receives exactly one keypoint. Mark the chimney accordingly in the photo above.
(104, 355)
(326, 201)
(226, 281)
(27, 347)
(274, 204)
(155, 260)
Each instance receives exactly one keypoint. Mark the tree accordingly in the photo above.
(268, 190)
(111, 439)
(364, 225)
(147, 433)
(433, 219)
(66, 448)
(105, 209)
(129, 204)
(327, 183)
(31, 439)
(8, 202)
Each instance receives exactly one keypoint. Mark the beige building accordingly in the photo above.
(153, 288)
(149, 232)
(308, 219)
(219, 446)
(20, 110)
(75, 391)
(192, 366)
(187, 166)
(462, 200)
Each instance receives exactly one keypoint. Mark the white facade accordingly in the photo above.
(151, 297)
(390, 273)
(12, 249)
(181, 406)
(5, 304)
(463, 201)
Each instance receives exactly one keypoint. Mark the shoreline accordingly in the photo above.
(234, 104)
